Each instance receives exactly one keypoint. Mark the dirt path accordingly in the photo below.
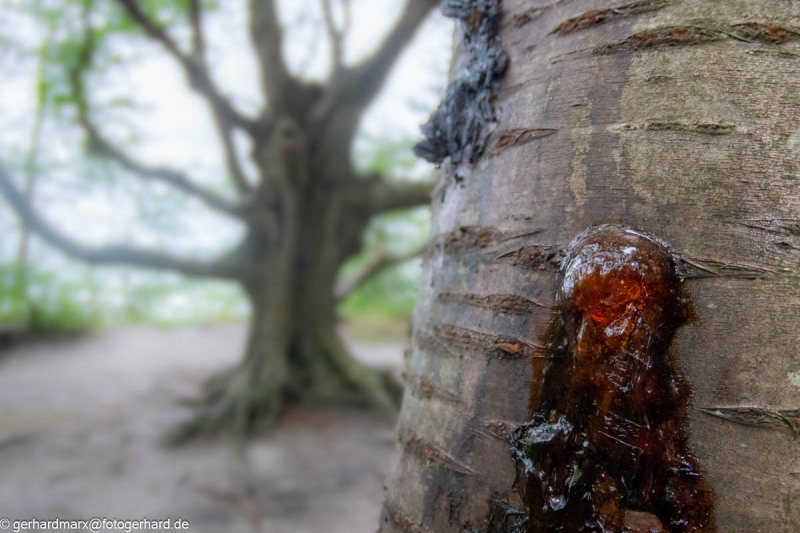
(80, 422)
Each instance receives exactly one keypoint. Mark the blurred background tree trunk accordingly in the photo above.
(678, 118)
(304, 211)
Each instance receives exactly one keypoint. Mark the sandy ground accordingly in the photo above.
(81, 420)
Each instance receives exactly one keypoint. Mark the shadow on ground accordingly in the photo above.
(81, 420)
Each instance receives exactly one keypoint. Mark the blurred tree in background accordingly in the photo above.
(306, 218)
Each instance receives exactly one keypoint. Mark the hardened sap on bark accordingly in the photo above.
(606, 449)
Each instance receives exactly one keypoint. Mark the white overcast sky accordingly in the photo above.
(172, 126)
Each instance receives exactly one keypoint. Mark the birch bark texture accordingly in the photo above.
(676, 117)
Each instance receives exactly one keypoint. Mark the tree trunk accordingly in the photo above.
(678, 118)
(294, 353)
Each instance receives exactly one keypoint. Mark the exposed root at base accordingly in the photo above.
(235, 405)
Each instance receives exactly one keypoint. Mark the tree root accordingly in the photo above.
(236, 402)
(231, 405)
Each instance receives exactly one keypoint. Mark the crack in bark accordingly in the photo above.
(764, 33)
(499, 429)
(469, 237)
(543, 257)
(600, 16)
(511, 304)
(704, 128)
(521, 19)
(758, 417)
(750, 32)
(711, 268)
(517, 137)
(529, 15)
(667, 36)
(786, 233)
(413, 443)
(769, 52)
(498, 346)
(778, 226)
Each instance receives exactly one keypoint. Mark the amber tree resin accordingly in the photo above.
(606, 448)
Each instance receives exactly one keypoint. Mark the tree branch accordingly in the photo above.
(336, 36)
(226, 267)
(176, 179)
(376, 264)
(195, 68)
(151, 28)
(224, 127)
(368, 77)
(102, 146)
(231, 157)
(267, 37)
(355, 87)
(384, 194)
(198, 37)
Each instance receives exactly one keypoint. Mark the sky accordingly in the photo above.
(170, 125)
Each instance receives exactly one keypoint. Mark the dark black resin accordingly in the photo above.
(459, 127)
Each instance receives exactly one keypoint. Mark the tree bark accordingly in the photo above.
(678, 118)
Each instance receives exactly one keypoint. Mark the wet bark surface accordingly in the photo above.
(673, 117)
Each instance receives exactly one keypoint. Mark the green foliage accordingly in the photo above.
(46, 301)
(71, 24)
(77, 298)
(13, 309)
(179, 302)
(389, 295)
(386, 156)
(392, 293)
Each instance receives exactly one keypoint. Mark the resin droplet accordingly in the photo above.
(606, 449)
